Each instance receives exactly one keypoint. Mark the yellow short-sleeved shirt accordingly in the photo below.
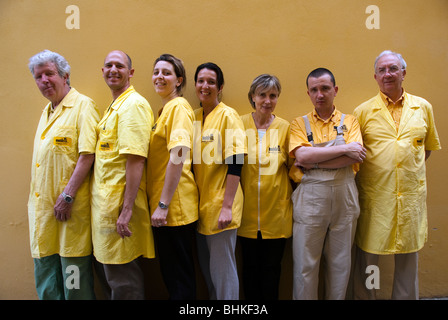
(173, 128)
(265, 182)
(392, 179)
(323, 131)
(124, 129)
(217, 138)
(57, 146)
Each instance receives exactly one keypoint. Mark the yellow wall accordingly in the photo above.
(288, 38)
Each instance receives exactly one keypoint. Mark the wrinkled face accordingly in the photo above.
(165, 80)
(116, 71)
(322, 92)
(389, 75)
(50, 83)
(207, 87)
(265, 100)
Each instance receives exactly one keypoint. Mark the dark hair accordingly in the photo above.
(213, 67)
(319, 72)
(178, 69)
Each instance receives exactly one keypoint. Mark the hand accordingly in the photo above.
(123, 223)
(158, 218)
(356, 151)
(225, 218)
(62, 209)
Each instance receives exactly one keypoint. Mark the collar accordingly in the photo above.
(387, 101)
(333, 117)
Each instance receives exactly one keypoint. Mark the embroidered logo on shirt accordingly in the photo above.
(62, 141)
(275, 149)
(208, 138)
(106, 146)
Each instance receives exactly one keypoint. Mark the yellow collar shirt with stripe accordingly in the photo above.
(173, 128)
(58, 143)
(323, 131)
(217, 138)
(124, 129)
(265, 182)
(392, 178)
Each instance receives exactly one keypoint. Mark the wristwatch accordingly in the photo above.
(163, 205)
(67, 198)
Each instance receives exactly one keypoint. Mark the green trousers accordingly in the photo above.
(64, 278)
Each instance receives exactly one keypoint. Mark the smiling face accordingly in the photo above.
(50, 83)
(207, 88)
(322, 92)
(265, 100)
(165, 80)
(117, 72)
(389, 75)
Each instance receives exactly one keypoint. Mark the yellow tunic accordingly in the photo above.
(124, 129)
(392, 178)
(57, 145)
(173, 128)
(217, 138)
(265, 182)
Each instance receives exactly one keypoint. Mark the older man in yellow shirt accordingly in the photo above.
(121, 229)
(59, 200)
(399, 134)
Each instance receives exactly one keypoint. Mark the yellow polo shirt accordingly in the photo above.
(217, 138)
(173, 128)
(124, 129)
(392, 179)
(57, 146)
(323, 131)
(265, 182)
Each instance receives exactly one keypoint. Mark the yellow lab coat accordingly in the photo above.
(392, 178)
(57, 145)
(266, 186)
(124, 129)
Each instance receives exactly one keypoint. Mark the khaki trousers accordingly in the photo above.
(325, 215)
(405, 283)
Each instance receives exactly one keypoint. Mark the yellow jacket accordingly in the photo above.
(124, 129)
(217, 138)
(392, 178)
(266, 186)
(173, 128)
(57, 145)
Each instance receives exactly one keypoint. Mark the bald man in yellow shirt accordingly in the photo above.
(399, 134)
(121, 228)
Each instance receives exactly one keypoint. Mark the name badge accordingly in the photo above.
(62, 141)
(106, 146)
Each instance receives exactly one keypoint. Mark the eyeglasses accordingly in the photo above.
(392, 70)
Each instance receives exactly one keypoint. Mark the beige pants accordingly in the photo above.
(405, 284)
(325, 213)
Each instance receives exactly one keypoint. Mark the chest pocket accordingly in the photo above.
(107, 143)
(65, 140)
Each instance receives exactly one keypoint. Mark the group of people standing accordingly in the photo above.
(127, 186)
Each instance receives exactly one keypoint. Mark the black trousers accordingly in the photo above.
(175, 251)
(261, 267)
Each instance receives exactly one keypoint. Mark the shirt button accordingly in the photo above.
(37, 194)
(37, 165)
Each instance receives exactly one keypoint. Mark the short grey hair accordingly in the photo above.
(46, 56)
(263, 82)
(389, 52)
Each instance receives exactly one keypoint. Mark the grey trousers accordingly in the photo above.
(216, 254)
(121, 281)
(405, 283)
